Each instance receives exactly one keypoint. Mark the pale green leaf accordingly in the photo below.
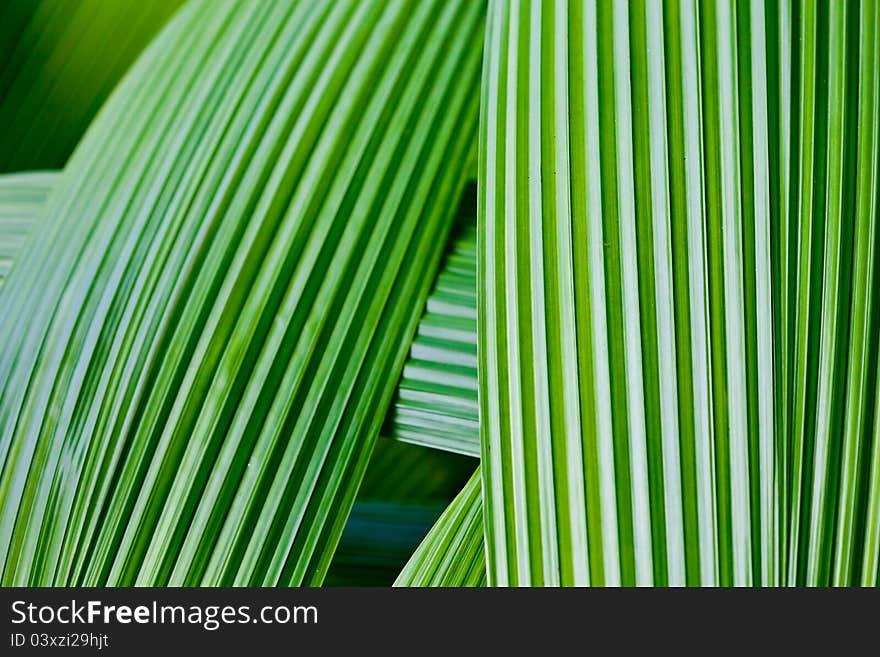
(22, 198)
(626, 373)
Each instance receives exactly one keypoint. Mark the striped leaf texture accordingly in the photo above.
(453, 552)
(59, 60)
(204, 342)
(829, 146)
(677, 215)
(870, 572)
(22, 198)
(436, 401)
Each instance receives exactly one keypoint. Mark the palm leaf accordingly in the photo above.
(596, 325)
(635, 176)
(660, 337)
(832, 184)
(258, 212)
(22, 197)
(436, 400)
(761, 133)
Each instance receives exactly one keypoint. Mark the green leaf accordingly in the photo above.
(660, 337)
(833, 370)
(676, 320)
(197, 367)
(22, 198)
(453, 553)
(436, 401)
(870, 575)
(626, 376)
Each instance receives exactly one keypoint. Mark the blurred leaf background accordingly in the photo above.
(59, 62)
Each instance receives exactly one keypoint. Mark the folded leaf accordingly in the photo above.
(200, 355)
(436, 401)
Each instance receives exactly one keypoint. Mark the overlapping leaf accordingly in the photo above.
(192, 388)
(674, 299)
